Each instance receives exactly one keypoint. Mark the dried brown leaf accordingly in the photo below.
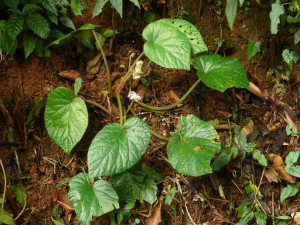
(63, 200)
(6, 114)
(93, 66)
(279, 166)
(249, 127)
(271, 176)
(155, 216)
(70, 74)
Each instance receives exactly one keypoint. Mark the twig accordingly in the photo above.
(4, 191)
(273, 208)
(98, 105)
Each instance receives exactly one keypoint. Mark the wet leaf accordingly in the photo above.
(290, 168)
(191, 149)
(66, 118)
(275, 13)
(117, 148)
(91, 200)
(167, 46)
(220, 72)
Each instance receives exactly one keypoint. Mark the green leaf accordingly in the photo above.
(170, 194)
(77, 85)
(230, 11)
(14, 26)
(78, 6)
(53, 18)
(88, 26)
(38, 24)
(55, 33)
(220, 72)
(19, 194)
(240, 139)
(98, 7)
(29, 44)
(67, 22)
(253, 48)
(57, 41)
(117, 148)
(261, 218)
(297, 37)
(289, 57)
(91, 200)
(118, 5)
(167, 46)
(191, 149)
(30, 8)
(149, 192)
(257, 155)
(12, 3)
(190, 31)
(136, 3)
(7, 44)
(6, 217)
(246, 219)
(66, 118)
(290, 168)
(152, 173)
(224, 158)
(291, 19)
(290, 131)
(57, 222)
(289, 191)
(275, 13)
(49, 5)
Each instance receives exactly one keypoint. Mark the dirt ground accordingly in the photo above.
(42, 164)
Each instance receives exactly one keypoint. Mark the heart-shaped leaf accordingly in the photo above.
(190, 31)
(91, 200)
(220, 72)
(66, 118)
(191, 149)
(167, 46)
(290, 168)
(117, 148)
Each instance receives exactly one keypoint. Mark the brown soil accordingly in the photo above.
(44, 164)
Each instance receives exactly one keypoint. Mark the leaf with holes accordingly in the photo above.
(14, 25)
(117, 148)
(98, 7)
(220, 72)
(118, 5)
(191, 148)
(290, 168)
(277, 10)
(167, 46)
(29, 44)
(190, 31)
(66, 118)
(38, 24)
(91, 199)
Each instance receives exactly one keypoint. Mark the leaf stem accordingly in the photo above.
(105, 61)
(175, 104)
(120, 108)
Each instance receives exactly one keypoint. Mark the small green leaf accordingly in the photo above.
(67, 22)
(289, 57)
(261, 218)
(220, 72)
(190, 31)
(14, 26)
(297, 37)
(292, 19)
(78, 6)
(49, 5)
(289, 191)
(253, 48)
(77, 85)
(224, 158)
(20, 194)
(57, 41)
(240, 139)
(290, 131)
(170, 194)
(152, 173)
(88, 26)
(57, 222)
(6, 217)
(257, 155)
(275, 13)
(29, 44)
(118, 5)
(12, 3)
(98, 7)
(91, 200)
(191, 149)
(66, 118)
(136, 3)
(290, 168)
(38, 24)
(30, 8)
(117, 148)
(167, 46)
(230, 11)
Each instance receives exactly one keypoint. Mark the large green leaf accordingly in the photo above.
(117, 148)
(118, 5)
(29, 44)
(191, 149)
(12, 3)
(290, 168)
(66, 118)
(275, 13)
(230, 11)
(78, 6)
(167, 46)
(91, 200)
(30, 8)
(98, 7)
(220, 72)
(38, 24)
(135, 184)
(49, 5)
(190, 31)
(14, 26)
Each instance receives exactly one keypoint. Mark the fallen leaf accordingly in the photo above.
(155, 216)
(225, 114)
(6, 114)
(296, 218)
(70, 74)
(249, 127)
(93, 66)
(63, 200)
(269, 174)
(279, 166)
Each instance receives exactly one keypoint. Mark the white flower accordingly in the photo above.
(139, 64)
(134, 96)
(137, 73)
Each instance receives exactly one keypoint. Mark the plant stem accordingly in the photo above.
(298, 96)
(120, 108)
(198, 14)
(175, 104)
(105, 61)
